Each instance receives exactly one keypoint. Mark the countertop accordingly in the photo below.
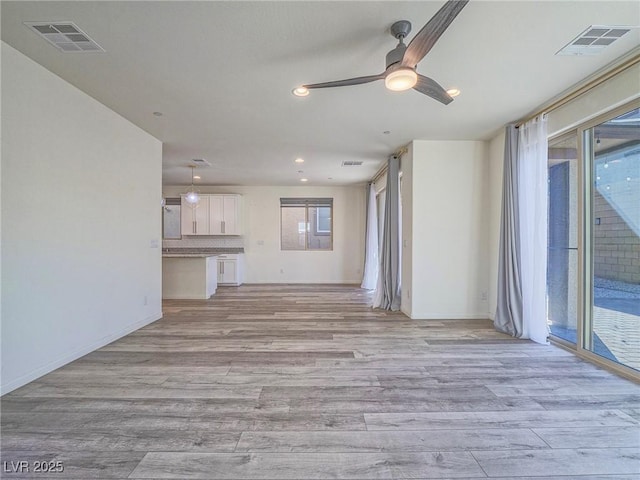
(198, 252)
(189, 255)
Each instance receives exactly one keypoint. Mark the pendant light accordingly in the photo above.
(192, 197)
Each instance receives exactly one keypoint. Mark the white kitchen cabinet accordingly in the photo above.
(194, 220)
(230, 269)
(213, 215)
(224, 215)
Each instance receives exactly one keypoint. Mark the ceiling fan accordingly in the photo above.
(400, 73)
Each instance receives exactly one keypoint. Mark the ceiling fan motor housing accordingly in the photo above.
(396, 55)
(399, 30)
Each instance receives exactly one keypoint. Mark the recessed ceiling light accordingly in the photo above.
(157, 114)
(300, 91)
(304, 179)
(387, 132)
(196, 177)
(453, 92)
(299, 160)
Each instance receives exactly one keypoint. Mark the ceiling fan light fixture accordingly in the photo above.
(453, 92)
(301, 91)
(401, 79)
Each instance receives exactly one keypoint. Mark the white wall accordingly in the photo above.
(81, 188)
(266, 263)
(616, 91)
(449, 234)
(406, 245)
(496, 161)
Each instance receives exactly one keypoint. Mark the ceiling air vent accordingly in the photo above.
(200, 162)
(594, 40)
(352, 163)
(65, 36)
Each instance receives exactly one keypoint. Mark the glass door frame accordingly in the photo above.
(584, 325)
(566, 135)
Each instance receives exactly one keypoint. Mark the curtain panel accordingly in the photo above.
(521, 303)
(387, 294)
(533, 187)
(371, 261)
(508, 317)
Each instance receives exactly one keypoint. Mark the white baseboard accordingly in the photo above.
(448, 316)
(81, 352)
(188, 297)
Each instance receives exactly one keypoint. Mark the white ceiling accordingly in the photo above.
(222, 73)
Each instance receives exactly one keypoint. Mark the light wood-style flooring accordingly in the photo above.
(308, 382)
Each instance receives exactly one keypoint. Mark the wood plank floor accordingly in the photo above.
(307, 382)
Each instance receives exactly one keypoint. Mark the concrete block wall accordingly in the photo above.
(616, 246)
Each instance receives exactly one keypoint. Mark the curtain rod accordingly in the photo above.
(383, 169)
(600, 79)
(379, 173)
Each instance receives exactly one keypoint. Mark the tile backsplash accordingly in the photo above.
(204, 242)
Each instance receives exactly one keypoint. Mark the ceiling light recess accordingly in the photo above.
(299, 160)
(304, 179)
(65, 36)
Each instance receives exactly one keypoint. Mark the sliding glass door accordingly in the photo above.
(593, 263)
(613, 159)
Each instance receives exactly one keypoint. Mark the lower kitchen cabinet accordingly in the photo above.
(231, 269)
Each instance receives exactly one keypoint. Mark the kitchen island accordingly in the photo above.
(189, 275)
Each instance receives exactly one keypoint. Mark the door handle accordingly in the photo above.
(223, 226)
(194, 227)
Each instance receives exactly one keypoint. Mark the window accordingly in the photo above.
(306, 223)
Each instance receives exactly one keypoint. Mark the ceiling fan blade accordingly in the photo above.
(426, 38)
(347, 82)
(431, 88)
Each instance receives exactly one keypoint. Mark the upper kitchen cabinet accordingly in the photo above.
(213, 215)
(194, 219)
(224, 215)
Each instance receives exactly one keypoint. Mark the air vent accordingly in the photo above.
(200, 162)
(594, 40)
(65, 36)
(352, 163)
